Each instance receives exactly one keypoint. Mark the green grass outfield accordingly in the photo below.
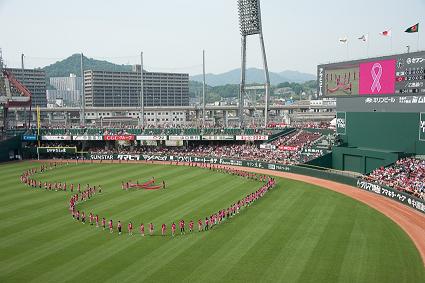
(296, 233)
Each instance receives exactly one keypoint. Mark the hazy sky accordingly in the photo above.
(298, 34)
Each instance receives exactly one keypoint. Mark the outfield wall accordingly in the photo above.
(376, 131)
(347, 179)
(385, 131)
(362, 160)
(10, 149)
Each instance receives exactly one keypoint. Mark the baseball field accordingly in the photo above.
(297, 232)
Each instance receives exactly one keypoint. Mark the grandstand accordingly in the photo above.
(406, 175)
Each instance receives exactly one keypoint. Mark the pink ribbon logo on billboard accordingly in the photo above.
(377, 77)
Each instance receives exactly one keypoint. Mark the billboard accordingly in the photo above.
(87, 138)
(29, 137)
(119, 138)
(341, 123)
(402, 74)
(55, 138)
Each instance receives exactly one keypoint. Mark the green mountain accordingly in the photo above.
(72, 65)
(253, 76)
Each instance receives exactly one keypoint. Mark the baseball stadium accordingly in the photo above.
(308, 192)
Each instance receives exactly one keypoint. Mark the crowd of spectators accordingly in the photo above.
(298, 139)
(311, 125)
(407, 175)
(234, 151)
(132, 130)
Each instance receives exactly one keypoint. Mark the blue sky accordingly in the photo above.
(298, 34)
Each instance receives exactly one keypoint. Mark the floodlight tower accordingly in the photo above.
(250, 24)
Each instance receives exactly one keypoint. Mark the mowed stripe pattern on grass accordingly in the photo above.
(296, 233)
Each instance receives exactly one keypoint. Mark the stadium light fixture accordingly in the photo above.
(250, 24)
(249, 17)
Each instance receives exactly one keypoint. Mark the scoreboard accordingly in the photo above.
(410, 74)
(401, 74)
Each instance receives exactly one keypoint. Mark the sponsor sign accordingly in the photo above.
(369, 187)
(252, 138)
(341, 125)
(313, 150)
(52, 150)
(392, 194)
(422, 126)
(87, 138)
(267, 146)
(184, 138)
(218, 138)
(29, 138)
(151, 138)
(119, 138)
(102, 157)
(128, 157)
(149, 157)
(56, 138)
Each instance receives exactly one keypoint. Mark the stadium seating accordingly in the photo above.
(407, 174)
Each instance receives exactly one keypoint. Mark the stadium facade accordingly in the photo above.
(122, 89)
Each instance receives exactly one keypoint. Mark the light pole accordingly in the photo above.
(83, 98)
(250, 24)
(142, 99)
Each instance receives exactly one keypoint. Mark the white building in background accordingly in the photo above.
(66, 88)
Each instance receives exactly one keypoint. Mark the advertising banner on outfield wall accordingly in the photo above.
(56, 138)
(218, 138)
(29, 138)
(119, 138)
(392, 194)
(151, 138)
(87, 138)
(252, 138)
(184, 138)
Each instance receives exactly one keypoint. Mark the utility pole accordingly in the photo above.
(83, 98)
(203, 89)
(23, 82)
(142, 99)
